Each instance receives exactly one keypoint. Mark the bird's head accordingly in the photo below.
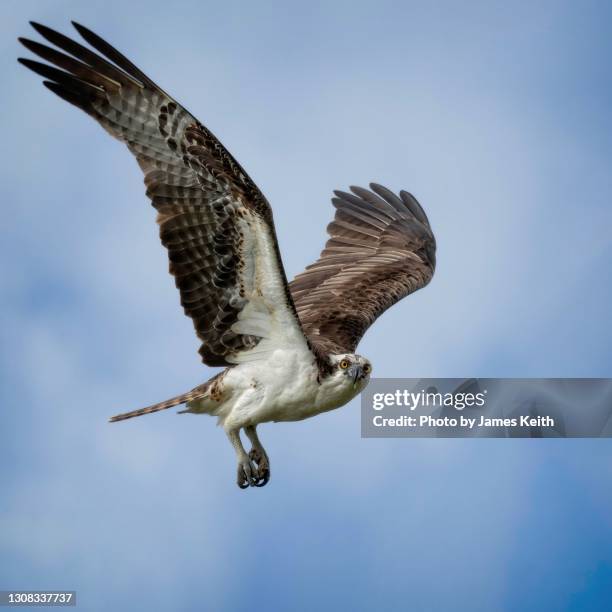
(350, 368)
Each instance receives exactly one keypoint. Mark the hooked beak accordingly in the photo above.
(355, 372)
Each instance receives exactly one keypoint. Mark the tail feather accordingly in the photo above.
(174, 401)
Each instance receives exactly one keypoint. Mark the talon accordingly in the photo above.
(263, 479)
(263, 467)
(242, 479)
(245, 477)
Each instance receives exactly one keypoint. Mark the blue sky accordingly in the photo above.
(496, 116)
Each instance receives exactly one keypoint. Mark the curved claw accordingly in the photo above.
(262, 480)
(262, 474)
(245, 477)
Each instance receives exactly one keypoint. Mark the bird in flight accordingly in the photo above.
(288, 349)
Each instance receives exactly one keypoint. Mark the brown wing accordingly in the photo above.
(214, 221)
(381, 249)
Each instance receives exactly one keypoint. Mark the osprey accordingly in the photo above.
(288, 348)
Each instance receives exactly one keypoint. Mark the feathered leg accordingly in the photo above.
(259, 456)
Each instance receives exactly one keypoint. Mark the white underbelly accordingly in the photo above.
(275, 389)
(284, 387)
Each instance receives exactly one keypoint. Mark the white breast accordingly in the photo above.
(284, 387)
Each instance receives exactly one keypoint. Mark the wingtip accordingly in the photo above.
(30, 45)
(52, 86)
(345, 196)
(39, 27)
(379, 189)
(361, 192)
(85, 32)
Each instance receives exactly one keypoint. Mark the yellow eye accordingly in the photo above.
(367, 368)
(344, 364)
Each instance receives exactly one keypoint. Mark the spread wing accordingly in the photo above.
(381, 249)
(214, 221)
